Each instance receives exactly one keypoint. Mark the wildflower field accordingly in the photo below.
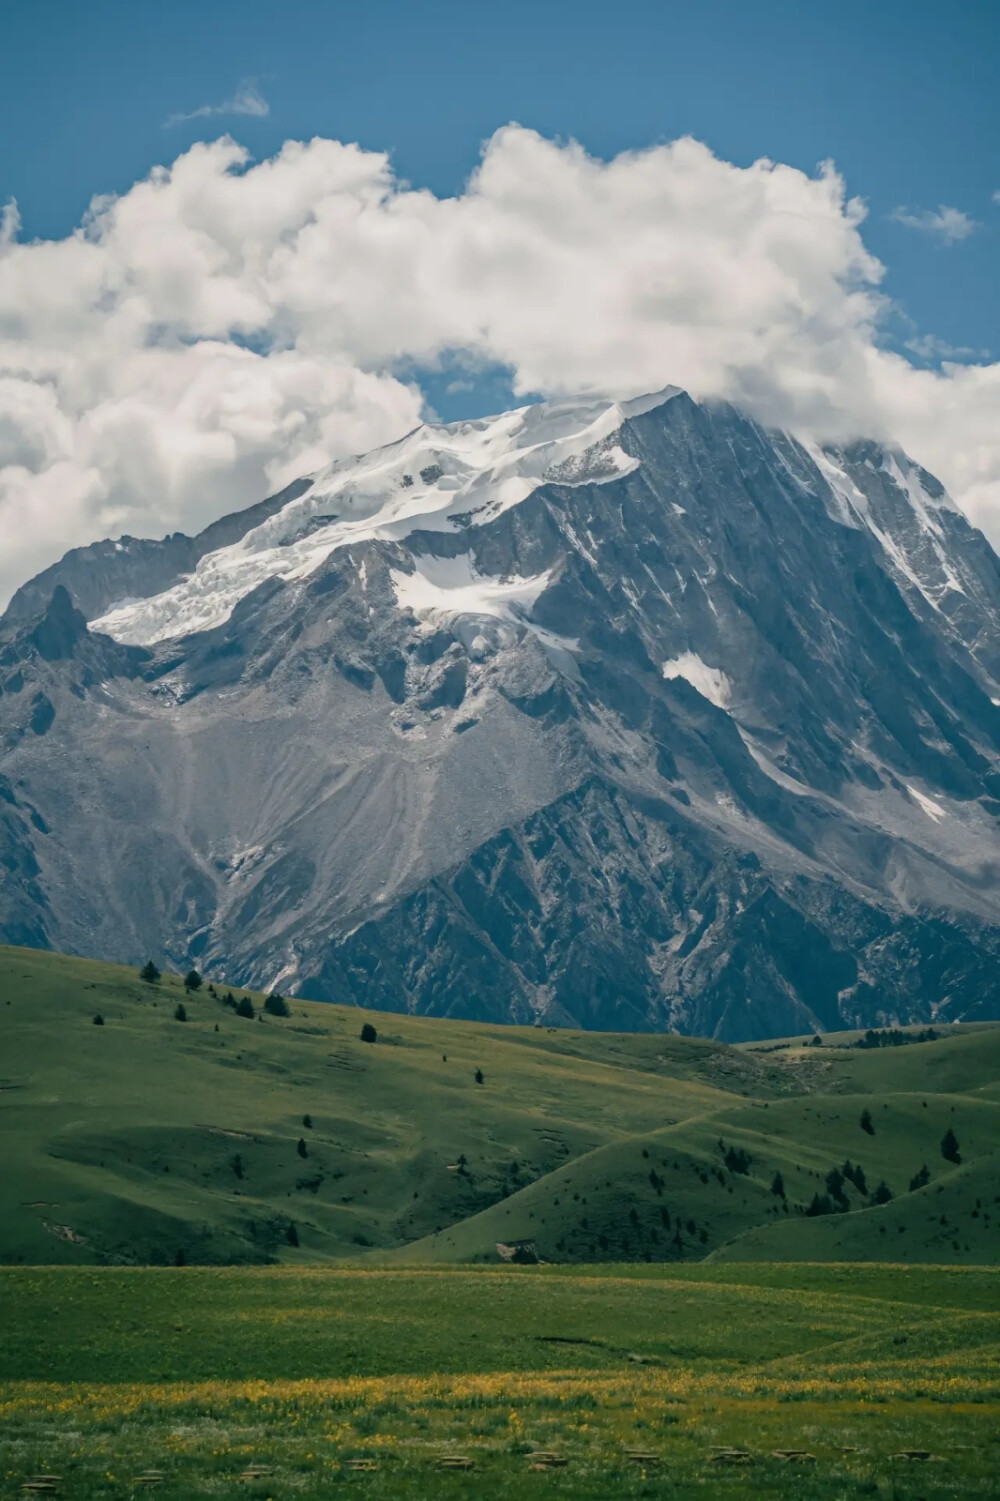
(762, 1380)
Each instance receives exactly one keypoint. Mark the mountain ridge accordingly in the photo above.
(654, 718)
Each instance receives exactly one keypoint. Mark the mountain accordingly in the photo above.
(626, 716)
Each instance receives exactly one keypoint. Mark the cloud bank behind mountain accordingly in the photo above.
(225, 326)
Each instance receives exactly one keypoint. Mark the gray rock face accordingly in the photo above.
(692, 728)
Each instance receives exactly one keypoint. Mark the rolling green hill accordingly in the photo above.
(224, 1138)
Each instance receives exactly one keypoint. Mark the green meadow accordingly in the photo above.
(227, 1139)
(256, 1255)
(703, 1380)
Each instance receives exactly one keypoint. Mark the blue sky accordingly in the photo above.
(233, 322)
(905, 97)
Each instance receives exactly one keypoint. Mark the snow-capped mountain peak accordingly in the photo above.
(474, 470)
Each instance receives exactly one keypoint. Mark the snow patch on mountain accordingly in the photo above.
(845, 502)
(711, 682)
(434, 479)
(929, 806)
(916, 547)
(442, 589)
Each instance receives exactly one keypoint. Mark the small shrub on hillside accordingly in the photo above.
(778, 1186)
(244, 1007)
(368, 1033)
(866, 1122)
(817, 1041)
(149, 972)
(98, 1020)
(949, 1147)
(192, 980)
(236, 1163)
(921, 1179)
(302, 1149)
(180, 1014)
(882, 1194)
(276, 1005)
(479, 1076)
(307, 1121)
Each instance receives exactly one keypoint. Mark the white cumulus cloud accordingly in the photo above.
(225, 325)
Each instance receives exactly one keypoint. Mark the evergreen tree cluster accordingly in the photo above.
(737, 1160)
(892, 1037)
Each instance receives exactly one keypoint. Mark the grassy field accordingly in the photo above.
(107, 1374)
(225, 1139)
(280, 1256)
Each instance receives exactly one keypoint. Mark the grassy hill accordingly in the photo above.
(151, 1139)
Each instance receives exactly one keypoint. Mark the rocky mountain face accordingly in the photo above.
(621, 716)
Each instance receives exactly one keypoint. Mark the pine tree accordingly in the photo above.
(149, 972)
(835, 1186)
(949, 1147)
(738, 1160)
(192, 980)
